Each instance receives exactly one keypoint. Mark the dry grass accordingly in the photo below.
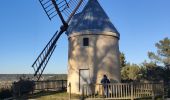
(63, 95)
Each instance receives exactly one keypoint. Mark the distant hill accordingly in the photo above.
(15, 77)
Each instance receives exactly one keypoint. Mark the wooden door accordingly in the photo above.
(84, 78)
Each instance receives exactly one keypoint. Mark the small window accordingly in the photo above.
(85, 41)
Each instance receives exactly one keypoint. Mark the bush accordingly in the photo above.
(5, 93)
(168, 93)
(22, 87)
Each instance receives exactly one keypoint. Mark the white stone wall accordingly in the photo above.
(100, 57)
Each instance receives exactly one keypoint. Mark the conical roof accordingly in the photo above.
(92, 18)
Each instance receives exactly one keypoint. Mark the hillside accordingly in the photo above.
(14, 77)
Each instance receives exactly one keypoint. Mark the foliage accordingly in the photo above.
(122, 60)
(153, 72)
(161, 59)
(143, 72)
(5, 93)
(23, 86)
(163, 52)
(156, 70)
(130, 72)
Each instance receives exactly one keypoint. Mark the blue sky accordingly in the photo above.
(25, 30)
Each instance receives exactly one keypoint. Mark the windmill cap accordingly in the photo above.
(92, 20)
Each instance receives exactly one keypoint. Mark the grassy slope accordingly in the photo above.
(50, 96)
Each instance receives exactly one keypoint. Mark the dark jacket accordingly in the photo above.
(105, 80)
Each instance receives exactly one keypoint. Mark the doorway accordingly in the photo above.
(84, 78)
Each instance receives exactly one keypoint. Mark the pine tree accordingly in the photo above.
(162, 57)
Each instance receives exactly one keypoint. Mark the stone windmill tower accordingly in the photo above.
(93, 47)
(93, 42)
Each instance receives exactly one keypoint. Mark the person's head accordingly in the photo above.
(104, 76)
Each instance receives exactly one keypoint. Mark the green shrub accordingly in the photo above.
(5, 93)
(23, 87)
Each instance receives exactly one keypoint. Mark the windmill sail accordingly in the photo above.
(49, 8)
(53, 8)
(66, 7)
(43, 58)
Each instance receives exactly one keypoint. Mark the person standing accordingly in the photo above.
(105, 81)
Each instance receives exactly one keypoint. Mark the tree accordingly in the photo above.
(130, 72)
(153, 72)
(122, 60)
(143, 72)
(162, 57)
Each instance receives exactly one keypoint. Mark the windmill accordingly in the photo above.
(93, 42)
(65, 9)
